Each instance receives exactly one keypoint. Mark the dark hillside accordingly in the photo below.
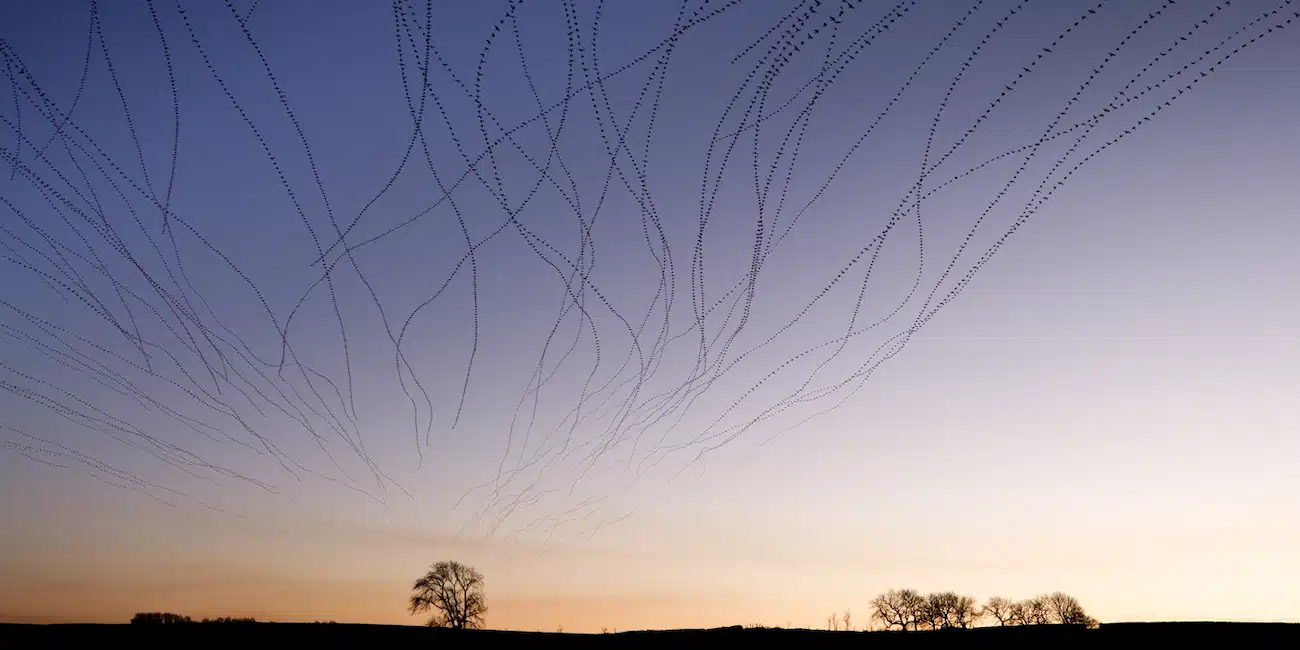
(1108, 636)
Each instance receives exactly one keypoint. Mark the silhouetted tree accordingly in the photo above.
(454, 593)
(1032, 612)
(950, 610)
(159, 618)
(930, 617)
(905, 609)
(1065, 609)
(964, 612)
(899, 607)
(888, 608)
(999, 609)
(1017, 613)
(918, 607)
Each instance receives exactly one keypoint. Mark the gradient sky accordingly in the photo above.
(1100, 411)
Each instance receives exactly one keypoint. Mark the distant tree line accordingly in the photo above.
(906, 609)
(168, 618)
(159, 618)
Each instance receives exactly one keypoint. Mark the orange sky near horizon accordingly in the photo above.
(727, 571)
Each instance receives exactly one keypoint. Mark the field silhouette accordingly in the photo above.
(1042, 636)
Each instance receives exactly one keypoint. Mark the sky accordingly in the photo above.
(1094, 403)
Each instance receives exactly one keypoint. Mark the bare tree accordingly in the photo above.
(1016, 615)
(932, 614)
(917, 608)
(454, 593)
(889, 610)
(903, 608)
(1065, 609)
(950, 610)
(886, 609)
(1000, 610)
(848, 621)
(961, 611)
(1032, 612)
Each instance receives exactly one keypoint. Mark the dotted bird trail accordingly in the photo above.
(590, 244)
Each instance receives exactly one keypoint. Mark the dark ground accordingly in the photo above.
(1241, 635)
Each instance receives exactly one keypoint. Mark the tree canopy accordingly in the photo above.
(454, 593)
